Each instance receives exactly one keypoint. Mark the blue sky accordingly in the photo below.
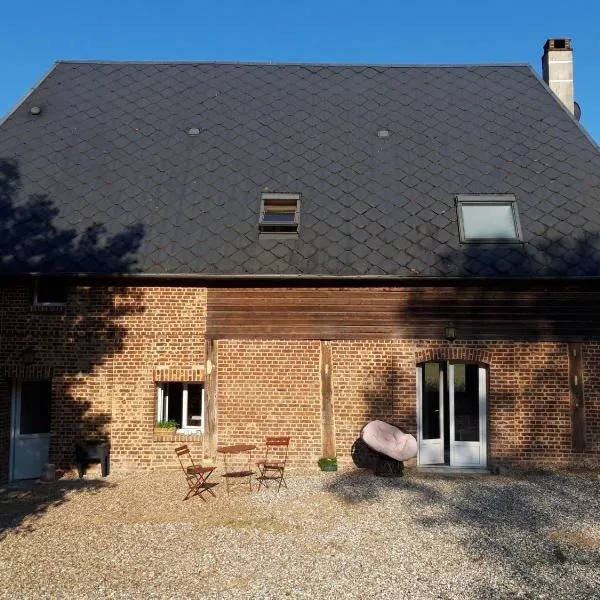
(33, 34)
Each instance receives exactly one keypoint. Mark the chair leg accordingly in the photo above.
(281, 480)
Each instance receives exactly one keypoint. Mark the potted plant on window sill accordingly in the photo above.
(328, 464)
(165, 430)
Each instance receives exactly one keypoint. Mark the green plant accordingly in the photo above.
(328, 464)
(170, 424)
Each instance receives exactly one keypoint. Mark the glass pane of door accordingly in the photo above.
(466, 403)
(35, 407)
(431, 401)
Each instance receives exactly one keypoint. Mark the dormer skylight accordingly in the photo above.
(279, 213)
(488, 218)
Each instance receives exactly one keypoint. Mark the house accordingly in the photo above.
(256, 249)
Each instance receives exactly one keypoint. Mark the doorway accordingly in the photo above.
(452, 414)
(30, 439)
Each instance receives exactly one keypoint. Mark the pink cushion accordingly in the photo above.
(389, 440)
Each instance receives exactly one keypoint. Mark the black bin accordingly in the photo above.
(92, 451)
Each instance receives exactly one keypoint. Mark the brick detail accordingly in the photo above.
(453, 352)
(29, 372)
(177, 374)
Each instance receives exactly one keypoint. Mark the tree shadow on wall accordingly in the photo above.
(72, 344)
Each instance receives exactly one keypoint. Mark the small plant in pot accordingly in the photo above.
(328, 464)
(165, 428)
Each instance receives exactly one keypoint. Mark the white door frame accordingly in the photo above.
(431, 451)
(16, 407)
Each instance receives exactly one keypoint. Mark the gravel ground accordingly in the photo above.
(332, 535)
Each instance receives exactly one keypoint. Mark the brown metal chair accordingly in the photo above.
(195, 475)
(272, 467)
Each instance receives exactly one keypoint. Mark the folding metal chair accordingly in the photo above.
(272, 467)
(195, 475)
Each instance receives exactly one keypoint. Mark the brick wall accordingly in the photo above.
(103, 351)
(107, 347)
(528, 398)
(271, 388)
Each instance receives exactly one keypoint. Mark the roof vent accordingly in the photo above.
(193, 131)
(383, 133)
(35, 110)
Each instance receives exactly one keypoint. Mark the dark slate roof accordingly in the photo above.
(110, 148)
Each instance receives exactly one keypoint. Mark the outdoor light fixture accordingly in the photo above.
(28, 356)
(450, 332)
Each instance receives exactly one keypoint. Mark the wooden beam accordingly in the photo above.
(210, 400)
(577, 397)
(327, 412)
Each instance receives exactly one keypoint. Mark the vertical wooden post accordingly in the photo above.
(210, 400)
(577, 397)
(327, 414)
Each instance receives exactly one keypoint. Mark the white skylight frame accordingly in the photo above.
(286, 203)
(489, 200)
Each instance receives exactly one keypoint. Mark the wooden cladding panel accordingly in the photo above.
(417, 312)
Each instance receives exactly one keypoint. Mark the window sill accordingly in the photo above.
(48, 308)
(177, 437)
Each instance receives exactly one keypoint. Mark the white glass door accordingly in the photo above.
(451, 414)
(467, 401)
(430, 414)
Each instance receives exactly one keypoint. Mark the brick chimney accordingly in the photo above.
(557, 69)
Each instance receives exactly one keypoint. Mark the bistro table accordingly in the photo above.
(237, 470)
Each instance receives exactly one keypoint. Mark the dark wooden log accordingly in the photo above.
(210, 423)
(577, 397)
(327, 411)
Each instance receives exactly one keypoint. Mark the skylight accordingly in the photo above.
(279, 213)
(488, 218)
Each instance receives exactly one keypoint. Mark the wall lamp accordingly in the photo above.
(450, 332)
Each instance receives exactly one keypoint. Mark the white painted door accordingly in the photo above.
(430, 414)
(467, 387)
(30, 428)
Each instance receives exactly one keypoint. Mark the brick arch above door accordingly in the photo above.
(464, 353)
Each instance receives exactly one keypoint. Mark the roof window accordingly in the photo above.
(279, 214)
(488, 218)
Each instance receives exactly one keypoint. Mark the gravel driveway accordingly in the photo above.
(344, 535)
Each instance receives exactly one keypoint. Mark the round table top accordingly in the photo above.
(236, 449)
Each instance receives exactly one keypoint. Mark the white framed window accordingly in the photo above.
(183, 403)
(49, 291)
(488, 218)
(279, 213)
